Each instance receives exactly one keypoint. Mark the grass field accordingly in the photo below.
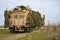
(4, 34)
(48, 34)
(33, 36)
(37, 35)
(51, 33)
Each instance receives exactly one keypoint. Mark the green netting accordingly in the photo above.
(6, 15)
(35, 19)
(30, 21)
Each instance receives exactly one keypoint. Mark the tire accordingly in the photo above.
(12, 29)
(29, 29)
(25, 29)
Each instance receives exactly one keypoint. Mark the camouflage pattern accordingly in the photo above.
(22, 17)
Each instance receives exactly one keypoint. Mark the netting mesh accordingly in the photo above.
(34, 18)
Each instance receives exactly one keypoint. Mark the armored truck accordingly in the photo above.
(22, 18)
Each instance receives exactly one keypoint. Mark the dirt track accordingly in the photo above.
(16, 36)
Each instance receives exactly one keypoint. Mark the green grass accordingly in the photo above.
(37, 35)
(4, 34)
(34, 36)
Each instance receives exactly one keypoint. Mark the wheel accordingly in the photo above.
(12, 29)
(29, 29)
(25, 29)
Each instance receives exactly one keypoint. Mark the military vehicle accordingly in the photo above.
(23, 18)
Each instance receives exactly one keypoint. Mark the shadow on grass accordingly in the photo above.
(20, 32)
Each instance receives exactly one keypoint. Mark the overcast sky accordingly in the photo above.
(50, 8)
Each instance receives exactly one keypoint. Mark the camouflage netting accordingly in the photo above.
(22, 7)
(34, 18)
(6, 15)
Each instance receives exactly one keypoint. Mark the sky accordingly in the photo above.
(50, 8)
